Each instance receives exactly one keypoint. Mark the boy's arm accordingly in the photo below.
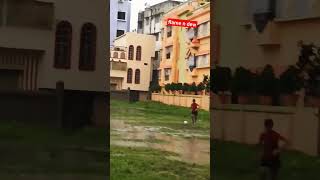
(285, 140)
(260, 141)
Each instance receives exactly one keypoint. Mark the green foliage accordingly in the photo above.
(193, 87)
(243, 81)
(186, 87)
(290, 81)
(173, 87)
(221, 79)
(206, 82)
(155, 88)
(179, 86)
(167, 87)
(267, 83)
(201, 86)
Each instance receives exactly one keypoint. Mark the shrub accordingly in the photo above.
(201, 86)
(242, 82)
(221, 79)
(290, 81)
(267, 83)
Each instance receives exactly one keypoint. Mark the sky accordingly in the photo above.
(136, 6)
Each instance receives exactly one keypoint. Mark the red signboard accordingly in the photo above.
(182, 23)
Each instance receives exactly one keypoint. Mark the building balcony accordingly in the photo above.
(42, 14)
(269, 37)
(194, 73)
(165, 64)
(195, 43)
(118, 66)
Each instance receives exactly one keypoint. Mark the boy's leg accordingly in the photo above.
(274, 172)
(263, 173)
(193, 118)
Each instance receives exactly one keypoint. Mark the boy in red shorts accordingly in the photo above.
(194, 111)
(270, 160)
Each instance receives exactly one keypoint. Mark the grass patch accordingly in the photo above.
(146, 164)
(158, 114)
(35, 150)
(241, 162)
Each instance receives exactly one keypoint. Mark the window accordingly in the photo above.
(156, 55)
(168, 55)
(167, 73)
(157, 18)
(137, 76)
(120, 32)
(88, 47)
(203, 29)
(192, 62)
(159, 74)
(147, 21)
(122, 55)
(131, 51)
(168, 52)
(138, 54)
(296, 8)
(115, 55)
(157, 36)
(129, 76)
(121, 15)
(203, 61)
(140, 25)
(63, 43)
(169, 31)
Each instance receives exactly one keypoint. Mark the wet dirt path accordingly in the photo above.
(190, 149)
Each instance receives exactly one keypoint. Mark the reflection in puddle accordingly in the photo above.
(191, 150)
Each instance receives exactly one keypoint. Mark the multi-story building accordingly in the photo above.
(118, 67)
(256, 34)
(149, 22)
(131, 59)
(45, 42)
(186, 52)
(120, 14)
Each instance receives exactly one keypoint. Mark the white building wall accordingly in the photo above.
(115, 24)
(37, 39)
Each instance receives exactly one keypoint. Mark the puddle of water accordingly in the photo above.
(191, 150)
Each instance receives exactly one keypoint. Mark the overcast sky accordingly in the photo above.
(136, 6)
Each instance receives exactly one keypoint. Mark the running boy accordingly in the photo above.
(270, 160)
(194, 111)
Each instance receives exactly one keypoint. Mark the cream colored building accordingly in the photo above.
(46, 41)
(27, 43)
(118, 67)
(242, 45)
(138, 51)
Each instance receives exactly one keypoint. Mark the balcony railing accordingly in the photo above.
(118, 66)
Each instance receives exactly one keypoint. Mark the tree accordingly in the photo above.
(309, 64)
